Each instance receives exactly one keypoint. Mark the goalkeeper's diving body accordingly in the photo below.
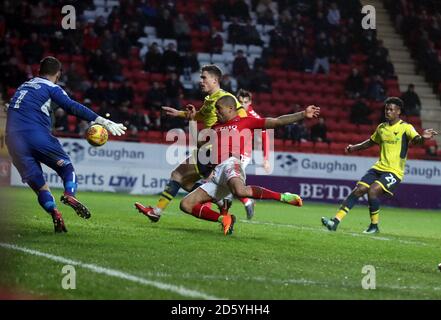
(30, 142)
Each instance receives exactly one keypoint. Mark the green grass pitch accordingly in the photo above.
(283, 253)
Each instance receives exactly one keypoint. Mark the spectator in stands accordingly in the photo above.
(342, 50)
(260, 80)
(81, 127)
(134, 31)
(235, 33)
(153, 59)
(240, 64)
(322, 52)
(164, 25)
(297, 132)
(125, 92)
(182, 32)
(110, 94)
(190, 63)
(265, 12)
(107, 46)
(173, 91)
(305, 62)
(360, 112)
(33, 50)
(388, 70)
(171, 60)
(334, 15)
(222, 9)
(321, 22)
(228, 83)
(94, 93)
(432, 153)
(100, 25)
(97, 65)
(138, 119)
(155, 96)
(216, 41)
(122, 44)
(202, 20)
(319, 131)
(277, 38)
(354, 85)
(114, 69)
(239, 9)
(74, 80)
(377, 61)
(58, 43)
(60, 123)
(376, 89)
(11, 74)
(251, 36)
(39, 13)
(411, 100)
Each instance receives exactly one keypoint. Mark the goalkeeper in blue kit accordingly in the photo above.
(30, 142)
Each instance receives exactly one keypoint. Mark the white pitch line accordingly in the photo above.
(114, 273)
(343, 232)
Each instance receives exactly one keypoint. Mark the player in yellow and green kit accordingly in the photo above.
(187, 173)
(394, 137)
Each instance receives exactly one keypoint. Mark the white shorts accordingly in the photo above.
(217, 187)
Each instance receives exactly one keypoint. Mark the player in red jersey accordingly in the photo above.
(229, 175)
(245, 99)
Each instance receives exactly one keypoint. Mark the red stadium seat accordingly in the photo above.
(337, 148)
(321, 147)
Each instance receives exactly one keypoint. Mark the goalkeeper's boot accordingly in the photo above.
(149, 212)
(373, 228)
(228, 222)
(331, 224)
(249, 208)
(79, 208)
(59, 226)
(292, 199)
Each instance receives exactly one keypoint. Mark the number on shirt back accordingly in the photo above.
(20, 97)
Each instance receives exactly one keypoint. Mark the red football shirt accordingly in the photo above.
(235, 137)
(265, 138)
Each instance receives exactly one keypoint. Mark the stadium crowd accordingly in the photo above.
(128, 58)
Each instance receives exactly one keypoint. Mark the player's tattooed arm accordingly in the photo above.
(427, 134)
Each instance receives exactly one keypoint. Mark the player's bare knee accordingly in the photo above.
(360, 190)
(374, 191)
(176, 176)
(186, 205)
(239, 191)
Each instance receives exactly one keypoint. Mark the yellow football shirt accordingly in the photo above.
(394, 143)
(207, 113)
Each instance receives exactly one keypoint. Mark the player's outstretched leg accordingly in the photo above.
(332, 223)
(257, 192)
(68, 176)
